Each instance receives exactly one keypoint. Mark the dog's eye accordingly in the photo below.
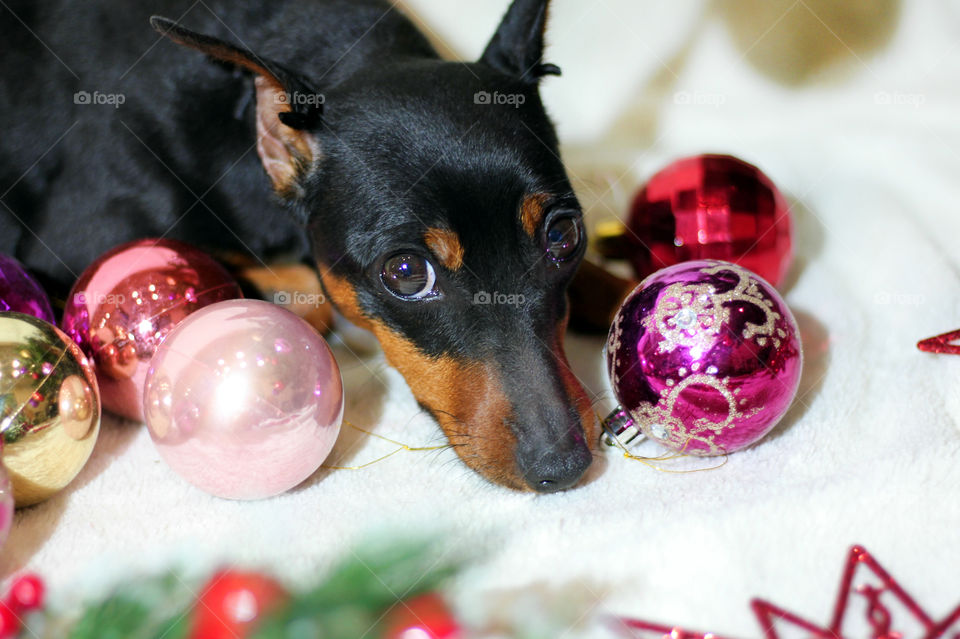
(563, 238)
(408, 276)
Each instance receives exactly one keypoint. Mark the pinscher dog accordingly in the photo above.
(431, 192)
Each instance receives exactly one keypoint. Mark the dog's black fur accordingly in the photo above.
(399, 146)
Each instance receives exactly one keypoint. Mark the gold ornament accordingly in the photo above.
(49, 407)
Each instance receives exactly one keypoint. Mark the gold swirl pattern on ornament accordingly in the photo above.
(692, 316)
(687, 315)
(662, 424)
(748, 290)
(613, 347)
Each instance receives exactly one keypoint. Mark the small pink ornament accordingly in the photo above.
(6, 500)
(704, 358)
(243, 399)
(128, 300)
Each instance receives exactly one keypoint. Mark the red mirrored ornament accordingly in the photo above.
(711, 207)
(128, 300)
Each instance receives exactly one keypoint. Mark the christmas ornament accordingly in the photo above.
(711, 207)
(233, 603)
(947, 343)
(6, 500)
(128, 300)
(20, 292)
(243, 399)
(25, 596)
(49, 407)
(704, 358)
(423, 617)
(870, 604)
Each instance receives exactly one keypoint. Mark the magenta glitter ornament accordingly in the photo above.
(704, 358)
(244, 399)
(711, 207)
(6, 500)
(20, 292)
(128, 300)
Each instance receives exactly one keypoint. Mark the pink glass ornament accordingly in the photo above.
(6, 500)
(20, 292)
(704, 358)
(244, 399)
(128, 300)
(711, 207)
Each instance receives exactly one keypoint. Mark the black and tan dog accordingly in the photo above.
(439, 214)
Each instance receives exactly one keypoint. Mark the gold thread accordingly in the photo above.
(666, 457)
(402, 447)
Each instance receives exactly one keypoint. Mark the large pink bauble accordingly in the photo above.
(705, 357)
(711, 207)
(128, 300)
(244, 399)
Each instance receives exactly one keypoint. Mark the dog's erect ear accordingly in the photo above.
(288, 108)
(517, 47)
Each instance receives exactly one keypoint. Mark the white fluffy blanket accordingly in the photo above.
(852, 108)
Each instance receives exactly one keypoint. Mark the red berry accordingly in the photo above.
(26, 594)
(423, 617)
(9, 623)
(233, 602)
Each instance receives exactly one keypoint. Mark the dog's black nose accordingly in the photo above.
(554, 470)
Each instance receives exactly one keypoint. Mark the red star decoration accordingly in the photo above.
(946, 343)
(870, 601)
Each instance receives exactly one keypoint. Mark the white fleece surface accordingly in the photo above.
(867, 147)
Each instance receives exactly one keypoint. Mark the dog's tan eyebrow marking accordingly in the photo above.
(532, 210)
(446, 245)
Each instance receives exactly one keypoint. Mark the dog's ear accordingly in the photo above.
(288, 107)
(517, 47)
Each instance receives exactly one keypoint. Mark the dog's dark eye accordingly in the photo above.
(408, 276)
(563, 238)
